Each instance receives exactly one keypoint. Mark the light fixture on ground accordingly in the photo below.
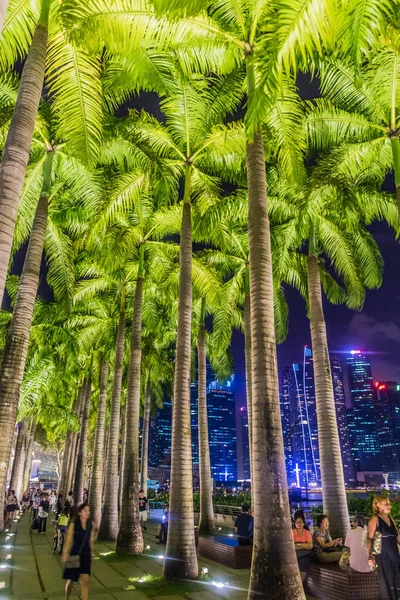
(204, 571)
(148, 548)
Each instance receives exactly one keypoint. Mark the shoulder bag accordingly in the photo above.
(376, 540)
(74, 561)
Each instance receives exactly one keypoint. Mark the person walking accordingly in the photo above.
(382, 546)
(78, 552)
(52, 500)
(44, 508)
(143, 508)
(11, 505)
(36, 503)
(69, 501)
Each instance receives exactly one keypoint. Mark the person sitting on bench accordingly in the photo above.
(244, 526)
(324, 548)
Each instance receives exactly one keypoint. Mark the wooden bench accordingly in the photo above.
(225, 551)
(328, 582)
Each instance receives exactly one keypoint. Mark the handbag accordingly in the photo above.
(74, 561)
(376, 540)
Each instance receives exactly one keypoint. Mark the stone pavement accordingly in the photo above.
(30, 571)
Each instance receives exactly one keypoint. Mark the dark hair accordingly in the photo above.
(299, 516)
(65, 511)
(359, 519)
(78, 511)
(320, 518)
(13, 491)
(140, 491)
(70, 493)
(245, 508)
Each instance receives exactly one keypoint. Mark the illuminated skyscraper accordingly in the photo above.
(342, 421)
(363, 425)
(387, 405)
(161, 436)
(288, 402)
(244, 426)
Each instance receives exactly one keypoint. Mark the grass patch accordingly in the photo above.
(153, 586)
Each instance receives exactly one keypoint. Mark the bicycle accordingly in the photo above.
(58, 542)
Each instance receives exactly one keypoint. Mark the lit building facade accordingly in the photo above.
(342, 421)
(244, 427)
(161, 436)
(387, 405)
(362, 423)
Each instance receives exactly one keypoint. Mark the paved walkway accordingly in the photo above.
(30, 571)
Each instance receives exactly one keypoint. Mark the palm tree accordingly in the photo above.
(96, 488)
(19, 458)
(358, 111)
(190, 139)
(72, 81)
(83, 440)
(240, 29)
(16, 151)
(109, 519)
(331, 217)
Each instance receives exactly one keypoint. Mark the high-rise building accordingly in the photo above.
(161, 436)
(342, 421)
(387, 405)
(222, 435)
(299, 422)
(245, 446)
(288, 403)
(364, 434)
(221, 411)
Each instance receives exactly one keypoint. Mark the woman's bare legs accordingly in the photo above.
(68, 588)
(84, 581)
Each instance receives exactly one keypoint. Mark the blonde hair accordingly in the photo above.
(378, 500)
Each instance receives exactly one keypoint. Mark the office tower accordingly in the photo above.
(364, 434)
(161, 436)
(245, 446)
(299, 422)
(342, 421)
(222, 435)
(288, 403)
(194, 421)
(387, 406)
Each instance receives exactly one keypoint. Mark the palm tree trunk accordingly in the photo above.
(181, 559)
(122, 460)
(69, 478)
(207, 518)
(28, 457)
(274, 570)
(70, 442)
(96, 486)
(18, 463)
(130, 537)
(83, 441)
(109, 519)
(19, 138)
(247, 358)
(332, 478)
(145, 439)
(3, 10)
(14, 357)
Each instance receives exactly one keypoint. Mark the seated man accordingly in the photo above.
(359, 555)
(244, 525)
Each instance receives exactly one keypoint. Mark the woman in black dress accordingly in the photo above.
(388, 560)
(79, 541)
